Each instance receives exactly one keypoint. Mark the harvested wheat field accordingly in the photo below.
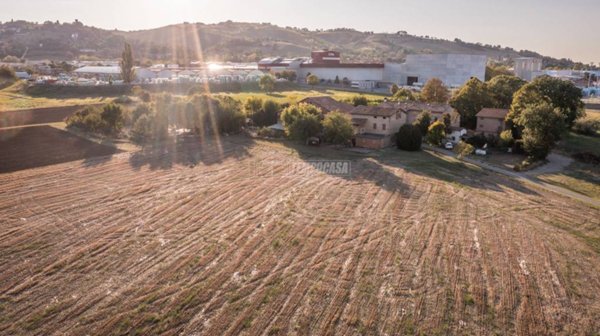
(226, 241)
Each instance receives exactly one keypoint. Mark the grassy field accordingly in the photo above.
(575, 143)
(12, 98)
(297, 95)
(578, 177)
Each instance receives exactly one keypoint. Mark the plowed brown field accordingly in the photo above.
(205, 241)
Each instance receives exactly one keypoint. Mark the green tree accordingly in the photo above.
(542, 125)
(337, 128)
(394, 89)
(409, 138)
(360, 100)
(447, 120)
(140, 110)
(436, 133)
(469, 100)
(7, 73)
(267, 83)
(404, 94)
(502, 88)
(112, 115)
(423, 120)
(270, 112)
(301, 121)
(493, 70)
(312, 80)
(435, 91)
(291, 113)
(506, 139)
(142, 130)
(563, 95)
(252, 105)
(230, 118)
(127, 70)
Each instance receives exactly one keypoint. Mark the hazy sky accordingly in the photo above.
(552, 27)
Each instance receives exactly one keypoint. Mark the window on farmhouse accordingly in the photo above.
(383, 126)
(374, 126)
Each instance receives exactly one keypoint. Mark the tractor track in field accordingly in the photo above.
(231, 243)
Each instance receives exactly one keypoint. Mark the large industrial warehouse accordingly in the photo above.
(453, 69)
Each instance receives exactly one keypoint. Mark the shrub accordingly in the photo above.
(230, 118)
(301, 121)
(404, 94)
(262, 113)
(337, 128)
(123, 100)
(360, 100)
(409, 138)
(142, 130)
(140, 110)
(423, 120)
(112, 115)
(145, 96)
(506, 139)
(587, 126)
(267, 83)
(463, 149)
(312, 80)
(478, 140)
(266, 132)
(136, 90)
(7, 73)
(88, 119)
(436, 133)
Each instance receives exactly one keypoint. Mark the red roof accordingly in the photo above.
(342, 65)
(493, 113)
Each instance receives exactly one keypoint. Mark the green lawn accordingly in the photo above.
(12, 98)
(578, 177)
(575, 143)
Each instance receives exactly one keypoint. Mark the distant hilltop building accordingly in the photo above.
(527, 68)
(453, 69)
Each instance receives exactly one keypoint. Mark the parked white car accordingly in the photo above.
(449, 145)
(482, 152)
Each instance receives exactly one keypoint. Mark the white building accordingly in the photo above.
(101, 72)
(452, 69)
(527, 68)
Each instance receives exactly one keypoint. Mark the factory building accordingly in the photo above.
(527, 68)
(453, 69)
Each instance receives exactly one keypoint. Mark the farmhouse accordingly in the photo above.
(490, 121)
(328, 104)
(437, 111)
(374, 126)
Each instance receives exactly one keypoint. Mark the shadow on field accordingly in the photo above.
(439, 167)
(362, 169)
(190, 151)
(378, 168)
(38, 146)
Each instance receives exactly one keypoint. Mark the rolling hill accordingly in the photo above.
(231, 41)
